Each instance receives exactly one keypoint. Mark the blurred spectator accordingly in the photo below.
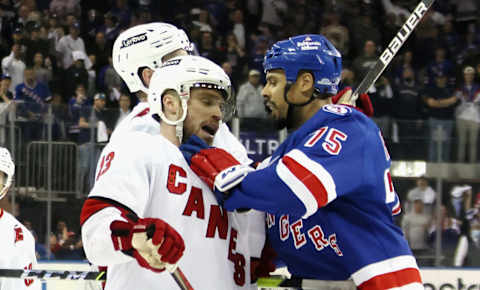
(337, 33)
(76, 105)
(112, 83)
(362, 64)
(415, 225)
(35, 44)
(41, 72)
(466, 14)
(122, 13)
(207, 47)
(250, 99)
(96, 125)
(363, 29)
(62, 8)
(76, 73)
(381, 94)
(408, 113)
(256, 57)
(440, 65)
(461, 198)
(111, 28)
(468, 116)
(34, 95)
(92, 75)
(201, 19)
(404, 61)
(124, 108)
(67, 244)
(5, 98)
(449, 236)
(227, 68)
(440, 102)
(236, 57)
(449, 38)
(424, 191)
(5, 94)
(347, 78)
(100, 49)
(274, 12)
(238, 28)
(14, 66)
(68, 44)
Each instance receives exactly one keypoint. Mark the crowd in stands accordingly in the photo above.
(459, 221)
(56, 54)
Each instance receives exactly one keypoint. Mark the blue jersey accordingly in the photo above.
(331, 201)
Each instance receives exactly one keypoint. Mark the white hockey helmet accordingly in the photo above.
(8, 167)
(144, 46)
(181, 74)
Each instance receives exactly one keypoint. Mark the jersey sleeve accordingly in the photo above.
(124, 172)
(324, 165)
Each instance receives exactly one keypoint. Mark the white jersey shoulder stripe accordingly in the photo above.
(383, 267)
(307, 179)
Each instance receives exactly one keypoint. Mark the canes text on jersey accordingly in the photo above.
(218, 219)
(315, 234)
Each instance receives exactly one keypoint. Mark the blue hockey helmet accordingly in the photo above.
(310, 52)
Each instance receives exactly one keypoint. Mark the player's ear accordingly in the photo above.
(171, 104)
(306, 81)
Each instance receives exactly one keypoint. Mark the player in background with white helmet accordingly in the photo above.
(327, 188)
(143, 176)
(17, 244)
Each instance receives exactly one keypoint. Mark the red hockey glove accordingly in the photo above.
(265, 265)
(152, 242)
(215, 166)
(344, 98)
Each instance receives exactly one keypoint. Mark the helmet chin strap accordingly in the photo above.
(292, 105)
(177, 123)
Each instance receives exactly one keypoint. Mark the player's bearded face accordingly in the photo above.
(273, 97)
(204, 114)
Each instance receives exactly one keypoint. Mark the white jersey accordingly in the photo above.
(149, 175)
(17, 251)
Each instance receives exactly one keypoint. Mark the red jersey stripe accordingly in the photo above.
(314, 185)
(391, 280)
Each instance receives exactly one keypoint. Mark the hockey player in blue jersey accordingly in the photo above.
(327, 189)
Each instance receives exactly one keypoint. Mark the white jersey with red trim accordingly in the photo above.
(331, 201)
(148, 175)
(17, 251)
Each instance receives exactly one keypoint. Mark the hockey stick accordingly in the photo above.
(306, 284)
(177, 275)
(392, 49)
(52, 274)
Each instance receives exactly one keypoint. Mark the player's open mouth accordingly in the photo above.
(268, 107)
(210, 129)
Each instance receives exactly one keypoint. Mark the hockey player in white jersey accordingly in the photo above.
(17, 245)
(137, 53)
(142, 179)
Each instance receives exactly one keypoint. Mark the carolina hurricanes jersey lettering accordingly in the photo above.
(330, 197)
(17, 251)
(146, 173)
